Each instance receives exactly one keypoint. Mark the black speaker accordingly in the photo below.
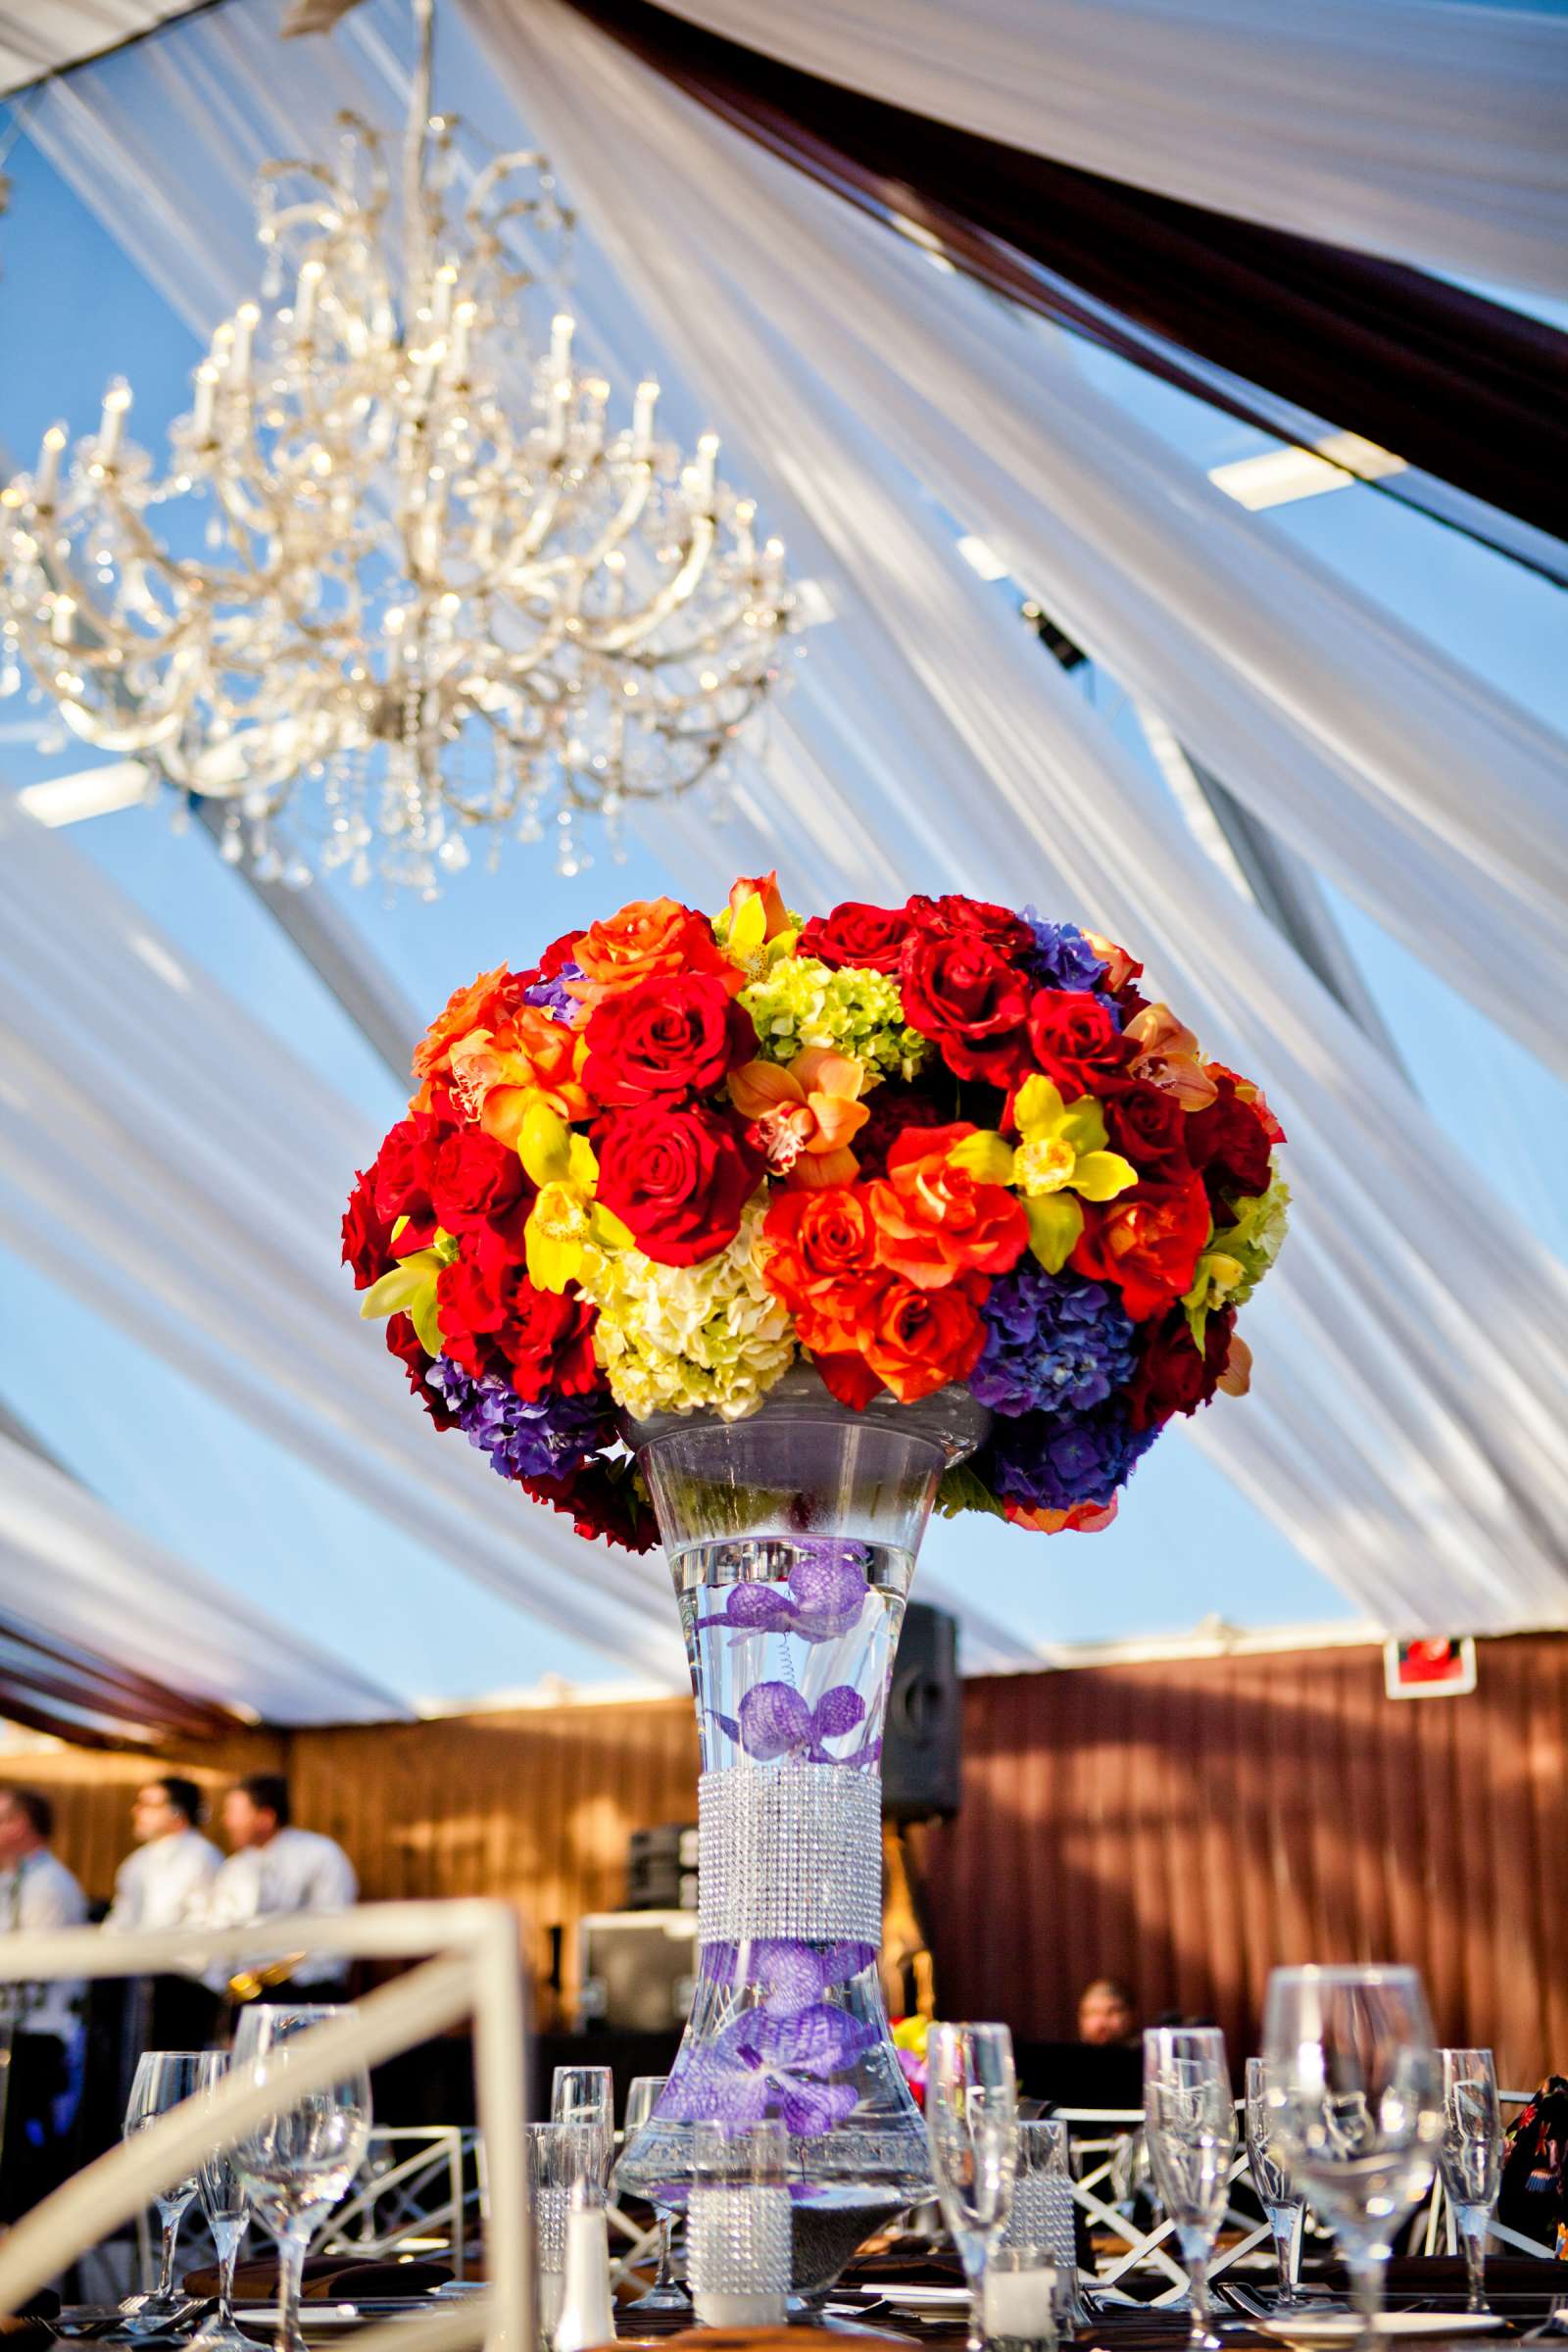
(923, 1744)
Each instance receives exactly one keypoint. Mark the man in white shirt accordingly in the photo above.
(274, 1868)
(42, 2022)
(165, 1883)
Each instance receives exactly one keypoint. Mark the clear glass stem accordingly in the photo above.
(169, 2217)
(1282, 2221)
(291, 2245)
(1195, 2255)
(227, 2236)
(1366, 2295)
(1473, 2230)
(974, 2258)
(665, 2275)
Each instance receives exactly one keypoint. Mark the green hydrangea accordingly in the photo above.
(1238, 1257)
(802, 1003)
(677, 1338)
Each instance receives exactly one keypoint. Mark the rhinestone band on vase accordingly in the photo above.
(791, 1855)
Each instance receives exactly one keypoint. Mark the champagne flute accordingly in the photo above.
(972, 2118)
(164, 2078)
(1190, 2124)
(1271, 2178)
(1471, 2157)
(227, 2211)
(1355, 2091)
(297, 2164)
(666, 2294)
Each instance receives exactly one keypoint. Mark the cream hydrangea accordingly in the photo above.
(800, 1002)
(671, 1339)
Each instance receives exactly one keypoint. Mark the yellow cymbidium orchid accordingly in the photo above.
(565, 1225)
(1061, 1152)
(409, 1289)
(760, 929)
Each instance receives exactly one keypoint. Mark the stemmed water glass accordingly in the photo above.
(1271, 2178)
(666, 2294)
(971, 2116)
(1190, 2126)
(1471, 2156)
(227, 2211)
(164, 2078)
(297, 2164)
(585, 2098)
(1355, 2091)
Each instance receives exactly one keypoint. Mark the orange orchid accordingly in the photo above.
(1236, 1377)
(531, 1058)
(1120, 968)
(805, 1112)
(1167, 1055)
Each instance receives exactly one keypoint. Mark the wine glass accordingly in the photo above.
(1471, 2156)
(1271, 2178)
(164, 2078)
(1355, 2091)
(297, 2164)
(228, 2217)
(666, 2294)
(972, 2118)
(1189, 2123)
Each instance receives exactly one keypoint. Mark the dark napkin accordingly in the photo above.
(328, 2278)
(1416, 2275)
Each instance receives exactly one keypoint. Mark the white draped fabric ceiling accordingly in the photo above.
(869, 401)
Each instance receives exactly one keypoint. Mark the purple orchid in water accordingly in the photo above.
(820, 1601)
(780, 2057)
(776, 1720)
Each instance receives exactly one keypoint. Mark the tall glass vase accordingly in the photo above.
(792, 1538)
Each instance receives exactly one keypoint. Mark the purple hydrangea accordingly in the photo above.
(547, 1437)
(1053, 1461)
(1062, 958)
(551, 995)
(1053, 1343)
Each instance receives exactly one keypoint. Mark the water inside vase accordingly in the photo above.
(791, 1642)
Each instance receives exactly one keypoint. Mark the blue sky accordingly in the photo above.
(184, 1469)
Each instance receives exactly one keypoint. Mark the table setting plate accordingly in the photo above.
(1344, 2327)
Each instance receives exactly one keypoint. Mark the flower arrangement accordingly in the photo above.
(918, 1145)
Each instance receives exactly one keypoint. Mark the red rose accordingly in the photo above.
(561, 950)
(548, 1340)
(473, 1179)
(1075, 1039)
(1174, 1375)
(400, 1180)
(602, 1499)
(470, 1313)
(1148, 1126)
(678, 1179)
(403, 1341)
(664, 1037)
(1147, 1242)
(891, 1109)
(367, 1235)
(998, 926)
(868, 939)
(921, 1339)
(1229, 1141)
(935, 1222)
(962, 993)
(849, 1378)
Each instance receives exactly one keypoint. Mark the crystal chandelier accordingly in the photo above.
(367, 574)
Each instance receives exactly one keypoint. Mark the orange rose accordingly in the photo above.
(1147, 1242)
(1084, 1518)
(819, 1257)
(934, 1221)
(652, 939)
(484, 1002)
(917, 1341)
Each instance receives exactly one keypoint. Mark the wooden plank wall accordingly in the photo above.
(1185, 1823)
(1190, 1824)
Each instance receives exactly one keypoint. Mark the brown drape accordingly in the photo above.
(1185, 1823)
(1469, 391)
